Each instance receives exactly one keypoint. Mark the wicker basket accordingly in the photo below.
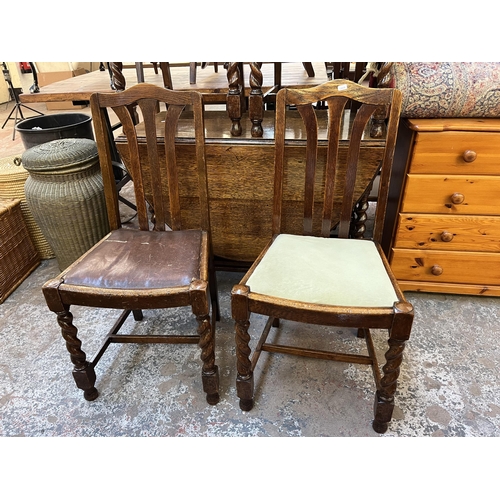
(18, 255)
(12, 179)
(65, 194)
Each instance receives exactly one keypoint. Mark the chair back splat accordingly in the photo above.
(313, 270)
(340, 160)
(156, 184)
(167, 262)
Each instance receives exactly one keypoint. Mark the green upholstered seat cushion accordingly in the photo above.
(328, 271)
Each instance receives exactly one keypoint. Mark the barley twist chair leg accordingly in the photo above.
(210, 371)
(83, 371)
(201, 309)
(244, 379)
(384, 397)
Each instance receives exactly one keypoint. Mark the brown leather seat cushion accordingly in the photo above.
(130, 259)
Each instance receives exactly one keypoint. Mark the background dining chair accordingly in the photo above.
(163, 264)
(303, 274)
(165, 73)
(193, 70)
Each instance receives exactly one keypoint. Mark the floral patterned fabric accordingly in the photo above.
(446, 89)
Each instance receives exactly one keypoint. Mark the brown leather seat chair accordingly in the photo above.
(165, 263)
(306, 275)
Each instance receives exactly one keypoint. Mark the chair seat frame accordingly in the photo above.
(397, 320)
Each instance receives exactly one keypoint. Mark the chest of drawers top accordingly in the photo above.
(455, 146)
(454, 124)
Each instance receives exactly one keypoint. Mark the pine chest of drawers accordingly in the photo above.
(442, 230)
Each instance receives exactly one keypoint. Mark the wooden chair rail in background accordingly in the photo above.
(235, 98)
(193, 66)
(256, 97)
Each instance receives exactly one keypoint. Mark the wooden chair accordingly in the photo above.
(163, 264)
(165, 72)
(304, 274)
(193, 70)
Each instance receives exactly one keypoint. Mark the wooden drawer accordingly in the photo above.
(442, 194)
(456, 153)
(448, 232)
(461, 288)
(446, 267)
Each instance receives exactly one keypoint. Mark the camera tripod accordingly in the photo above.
(19, 105)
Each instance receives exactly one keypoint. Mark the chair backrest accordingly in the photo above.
(333, 158)
(151, 156)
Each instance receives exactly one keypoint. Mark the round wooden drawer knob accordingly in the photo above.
(437, 270)
(457, 198)
(469, 156)
(446, 236)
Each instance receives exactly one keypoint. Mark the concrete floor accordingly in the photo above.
(449, 382)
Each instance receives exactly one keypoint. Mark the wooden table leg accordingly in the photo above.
(117, 78)
(256, 99)
(167, 77)
(309, 69)
(234, 96)
(139, 69)
(192, 73)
